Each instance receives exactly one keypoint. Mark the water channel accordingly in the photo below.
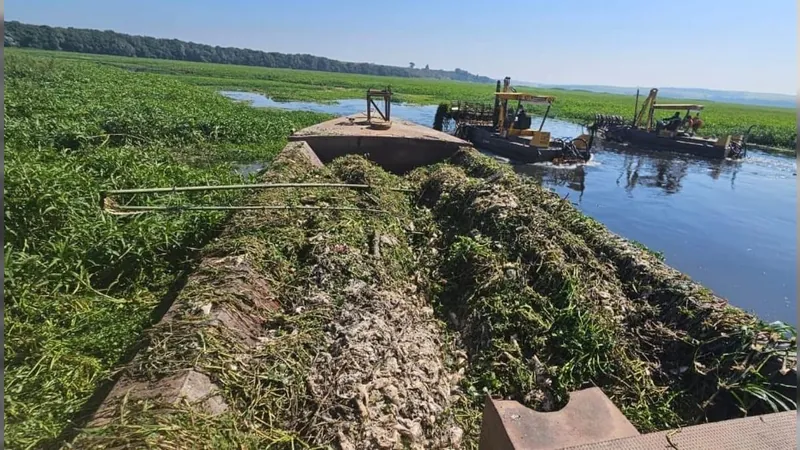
(730, 225)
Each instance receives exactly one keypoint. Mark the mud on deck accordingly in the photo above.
(386, 330)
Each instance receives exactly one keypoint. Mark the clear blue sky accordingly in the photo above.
(717, 44)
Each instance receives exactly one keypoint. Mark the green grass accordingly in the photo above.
(80, 285)
(775, 126)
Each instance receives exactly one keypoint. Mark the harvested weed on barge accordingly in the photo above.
(388, 330)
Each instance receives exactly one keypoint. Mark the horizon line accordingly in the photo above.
(5, 19)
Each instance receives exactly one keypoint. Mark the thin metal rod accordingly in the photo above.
(247, 186)
(496, 110)
(378, 110)
(369, 108)
(545, 116)
(241, 208)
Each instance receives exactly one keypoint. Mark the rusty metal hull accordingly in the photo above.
(590, 421)
(397, 146)
(588, 417)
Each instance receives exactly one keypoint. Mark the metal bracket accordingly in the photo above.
(386, 94)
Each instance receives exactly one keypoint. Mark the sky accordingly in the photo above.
(714, 44)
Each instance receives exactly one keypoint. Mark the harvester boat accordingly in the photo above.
(507, 132)
(647, 133)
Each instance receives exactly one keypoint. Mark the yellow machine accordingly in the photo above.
(725, 141)
(520, 124)
(650, 106)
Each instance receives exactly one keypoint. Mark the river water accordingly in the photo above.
(730, 225)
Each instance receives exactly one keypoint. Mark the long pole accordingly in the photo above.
(496, 110)
(247, 186)
(369, 108)
(636, 107)
(241, 208)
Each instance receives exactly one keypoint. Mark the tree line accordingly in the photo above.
(112, 43)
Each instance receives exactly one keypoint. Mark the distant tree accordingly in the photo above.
(108, 42)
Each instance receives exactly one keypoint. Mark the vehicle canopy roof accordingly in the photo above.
(524, 97)
(678, 106)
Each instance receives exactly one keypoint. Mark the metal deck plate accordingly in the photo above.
(768, 432)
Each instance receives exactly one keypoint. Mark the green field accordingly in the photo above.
(775, 126)
(80, 285)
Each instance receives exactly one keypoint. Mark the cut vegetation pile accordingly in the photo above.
(366, 329)
(530, 282)
(323, 330)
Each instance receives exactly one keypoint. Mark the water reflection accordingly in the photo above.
(665, 173)
(573, 178)
(661, 173)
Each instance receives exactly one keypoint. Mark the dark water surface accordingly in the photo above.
(730, 225)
